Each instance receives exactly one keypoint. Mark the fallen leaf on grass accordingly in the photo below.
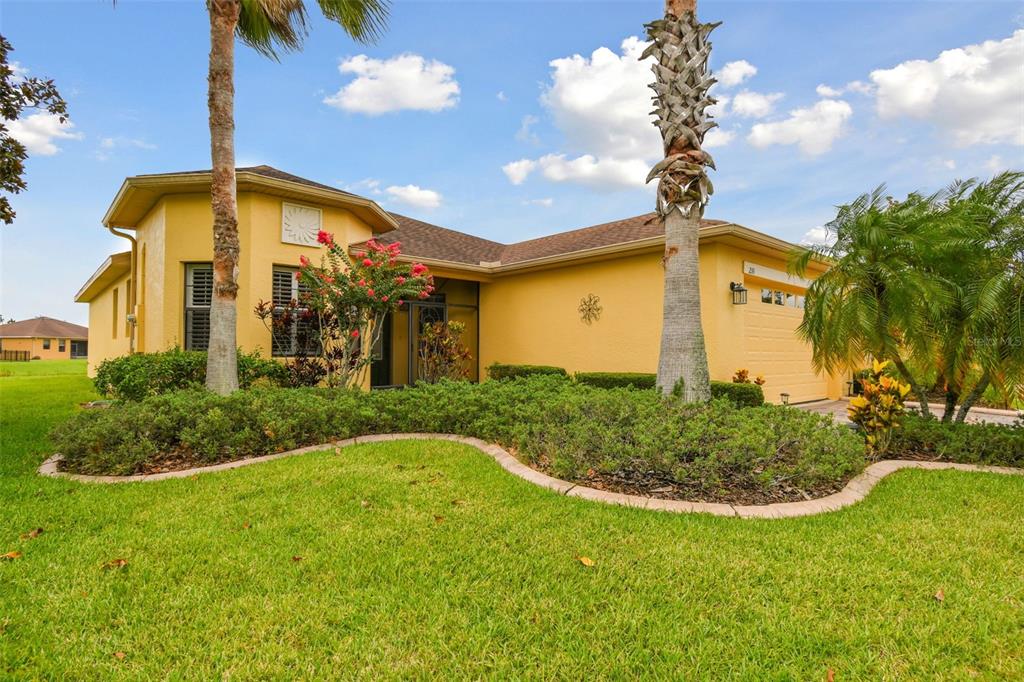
(365, 504)
(296, 558)
(830, 676)
(458, 503)
(438, 519)
(115, 563)
(940, 596)
(10, 556)
(119, 655)
(246, 525)
(34, 533)
(585, 560)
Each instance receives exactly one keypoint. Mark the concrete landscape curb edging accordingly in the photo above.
(855, 491)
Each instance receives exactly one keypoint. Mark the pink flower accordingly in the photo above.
(303, 261)
(384, 298)
(325, 238)
(298, 274)
(355, 333)
(418, 269)
(367, 262)
(369, 292)
(423, 294)
(400, 279)
(401, 302)
(362, 282)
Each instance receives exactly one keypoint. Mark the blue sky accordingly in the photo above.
(510, 120)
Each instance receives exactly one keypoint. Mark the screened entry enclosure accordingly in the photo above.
(396, 358)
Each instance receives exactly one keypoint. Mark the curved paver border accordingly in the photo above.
(855, 491)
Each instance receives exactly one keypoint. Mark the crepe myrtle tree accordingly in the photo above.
(268, 26)
(680, 47)
(341, 308)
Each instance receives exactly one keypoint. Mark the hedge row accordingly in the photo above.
(573, 428)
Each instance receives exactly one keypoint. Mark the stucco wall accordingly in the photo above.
(107, 338)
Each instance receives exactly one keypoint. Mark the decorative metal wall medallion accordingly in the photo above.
(590, 309)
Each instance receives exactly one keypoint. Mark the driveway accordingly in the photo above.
(837, 408)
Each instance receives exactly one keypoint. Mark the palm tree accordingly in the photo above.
(680, 47)
(267, 26)
(877, 298)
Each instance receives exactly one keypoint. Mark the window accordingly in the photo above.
(766, 295)
(46, 344)
(780, 298)
(801, 301)
(791, 300)
(60, 345)
(300, 338)
(113, 316)
(198, 295)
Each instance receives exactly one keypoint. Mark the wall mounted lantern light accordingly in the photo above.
(739, 293)
(785, 398)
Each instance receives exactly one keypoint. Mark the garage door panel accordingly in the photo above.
(774, 350)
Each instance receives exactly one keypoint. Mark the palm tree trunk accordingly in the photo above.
(222, 359)
(915, 388)
(972, 397)
(681, 49)
(683, 356)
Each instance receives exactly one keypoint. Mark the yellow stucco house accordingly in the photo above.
(43, 338)
(587, 300)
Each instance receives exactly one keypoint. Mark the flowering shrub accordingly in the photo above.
(742, 376)
(879, 408)
(442, 354)
(341, 307)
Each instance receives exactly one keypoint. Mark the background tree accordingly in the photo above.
(680, 47)
(268, 26)
(18, 93)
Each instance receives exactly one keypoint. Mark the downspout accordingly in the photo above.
(131, 290)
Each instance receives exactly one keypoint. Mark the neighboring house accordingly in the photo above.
(586, 300)
(43, 338)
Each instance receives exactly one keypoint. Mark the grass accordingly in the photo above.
(423, 559)
(42, 368)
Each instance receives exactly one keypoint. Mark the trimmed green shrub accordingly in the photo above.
(570, 429)
(741, 395)
(617, 379)
(967, 443)
(500, 371)
(136, 376)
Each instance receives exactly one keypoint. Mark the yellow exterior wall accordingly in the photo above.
(533, 318)
(178, 230)
(35, 347)
(103, 343)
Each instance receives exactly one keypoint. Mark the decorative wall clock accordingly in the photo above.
(300, 224)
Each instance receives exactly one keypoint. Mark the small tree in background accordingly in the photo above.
(17, 94)
(339, 315)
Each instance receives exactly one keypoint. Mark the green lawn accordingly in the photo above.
(42, 368)
(427, 560)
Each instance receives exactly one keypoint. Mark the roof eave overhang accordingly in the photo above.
(138, 194)
(112, 268)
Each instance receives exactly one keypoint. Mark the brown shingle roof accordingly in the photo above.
(267, 172)
(43, 327)
(423, 240)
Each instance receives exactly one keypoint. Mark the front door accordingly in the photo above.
(422, 313)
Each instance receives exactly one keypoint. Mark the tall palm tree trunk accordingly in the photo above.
(222, 359)
(681, 49)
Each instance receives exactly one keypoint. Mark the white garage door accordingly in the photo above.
(772, 347)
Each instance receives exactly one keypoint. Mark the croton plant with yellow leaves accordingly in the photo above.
(879, 409)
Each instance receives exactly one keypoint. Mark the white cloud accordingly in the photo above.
(524, 134)
(39, 131)
(719, 109)
(813, 130)
(517, 171)
(860, 87)
(974, 93)
(604, 173)
(818, 236)
(718, 137)
(546, 202)
(413, 195)
(995, 164)
(601, 103)
(826, 91)
(754, 104)
(364, 186)
(407, 81)
(735, 73)
(950, 164)
(18, 72)
(502, 97)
